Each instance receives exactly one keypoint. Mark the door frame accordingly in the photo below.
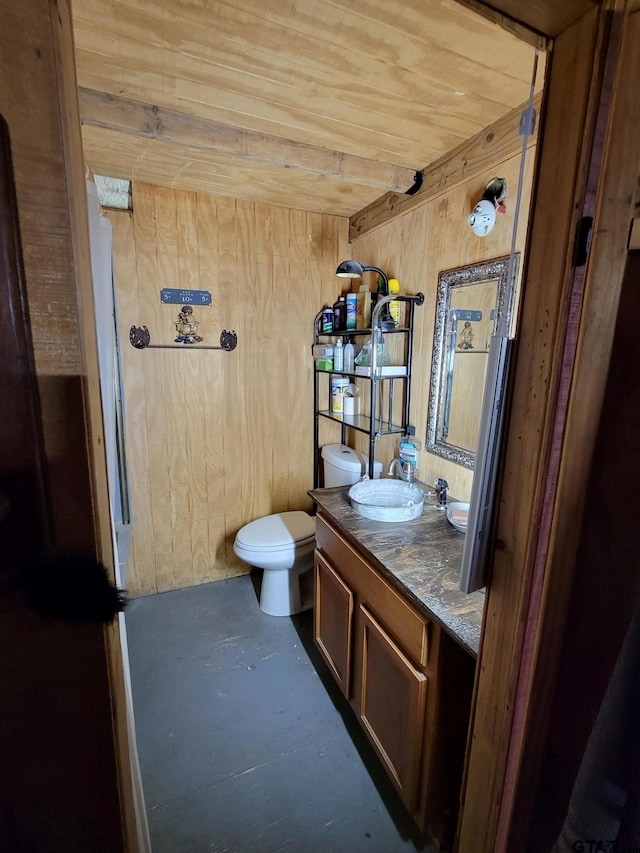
(525, 554)
(564, 344)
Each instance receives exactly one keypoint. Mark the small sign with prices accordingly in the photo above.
(173, 296)
(461, 314)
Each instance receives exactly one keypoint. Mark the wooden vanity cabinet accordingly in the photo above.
(333, 622)
(407, 681)
(392, 706)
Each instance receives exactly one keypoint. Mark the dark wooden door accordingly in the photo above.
(23, 516)
(58, 789)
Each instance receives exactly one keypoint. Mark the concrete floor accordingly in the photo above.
(245, 742)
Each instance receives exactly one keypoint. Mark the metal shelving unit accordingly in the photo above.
(379, 419)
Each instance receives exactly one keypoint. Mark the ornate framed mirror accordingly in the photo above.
(472, 303)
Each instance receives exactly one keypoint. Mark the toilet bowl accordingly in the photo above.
(282, 544)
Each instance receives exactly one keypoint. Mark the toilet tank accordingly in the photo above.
(344, 466)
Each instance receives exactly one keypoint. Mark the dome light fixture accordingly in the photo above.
(483, 216)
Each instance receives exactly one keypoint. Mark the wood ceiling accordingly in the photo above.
(321, 105)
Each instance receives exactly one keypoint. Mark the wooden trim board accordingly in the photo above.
(134, 821)
(494, 144)
(615, 173)
(528, 492)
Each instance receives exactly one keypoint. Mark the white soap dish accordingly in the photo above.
(458, 515)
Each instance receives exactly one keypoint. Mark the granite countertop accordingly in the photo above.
(422, 557)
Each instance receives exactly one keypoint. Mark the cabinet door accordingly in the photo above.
(393, 702)
(333, 622)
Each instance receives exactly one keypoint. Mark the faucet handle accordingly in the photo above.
(441, 490)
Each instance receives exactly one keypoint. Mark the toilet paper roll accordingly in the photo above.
(351, 405)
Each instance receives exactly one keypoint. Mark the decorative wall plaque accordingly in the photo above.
(173, 296)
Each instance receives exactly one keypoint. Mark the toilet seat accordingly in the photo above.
(282, 544)
(278, 532)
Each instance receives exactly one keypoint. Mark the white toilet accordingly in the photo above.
(344, 466)
(282, 544)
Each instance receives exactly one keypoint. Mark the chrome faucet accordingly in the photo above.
(403, 470)
(441, 490)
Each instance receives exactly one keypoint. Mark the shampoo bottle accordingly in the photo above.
(349, 356)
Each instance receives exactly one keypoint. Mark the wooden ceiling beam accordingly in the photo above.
(497, 142)
(532, 21)
(514, 25)
(100, 109)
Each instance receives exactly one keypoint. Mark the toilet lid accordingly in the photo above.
(277, 531)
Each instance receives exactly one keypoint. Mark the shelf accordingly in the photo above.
(389, 387)
(388, 372)
(347, 332)
(385, 371)
(362, 423)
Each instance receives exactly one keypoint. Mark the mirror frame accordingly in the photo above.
(485, 271)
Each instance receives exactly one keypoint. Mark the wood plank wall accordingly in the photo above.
(217, 439)
(415, 248)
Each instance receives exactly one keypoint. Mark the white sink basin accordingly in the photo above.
(387, 500)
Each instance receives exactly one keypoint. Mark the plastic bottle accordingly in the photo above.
(339, 386)
(363, 307)
(326, 320)
(409, 449)
(326, 362)
(381, 349)
(329, 350)
(338, 356)
(351, 310)
(349, 355)
(363, 359)
(340, 315)
(384, 315)
(394, 306)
